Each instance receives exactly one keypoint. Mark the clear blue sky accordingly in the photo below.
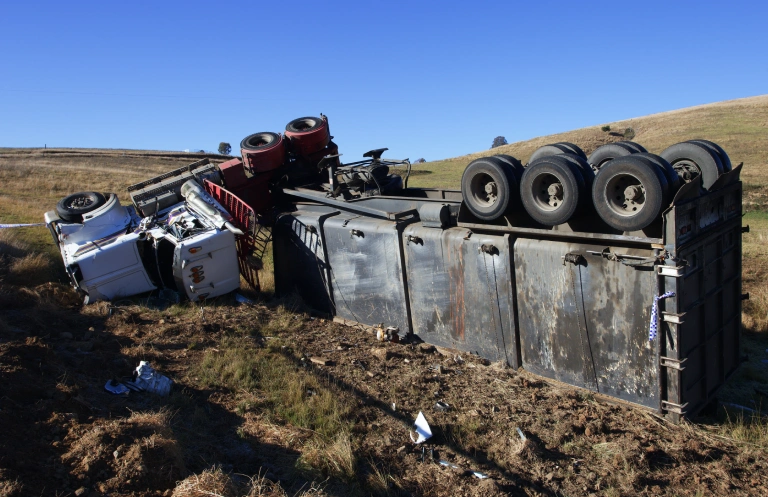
(426, 79)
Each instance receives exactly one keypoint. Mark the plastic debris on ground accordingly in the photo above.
(147, 379)
(476, 474)
(116, 388)
(243, 299)
(522, 435)
(423, 430)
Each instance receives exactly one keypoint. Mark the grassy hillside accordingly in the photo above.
(739, 126)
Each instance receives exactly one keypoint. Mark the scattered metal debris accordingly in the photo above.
(423, 430)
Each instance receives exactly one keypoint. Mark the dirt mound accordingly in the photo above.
(136, 453)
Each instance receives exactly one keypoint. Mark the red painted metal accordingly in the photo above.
(307, 142)
(264, 159)
(244, 217)
(234, 174)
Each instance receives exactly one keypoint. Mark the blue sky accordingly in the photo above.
(426, 79)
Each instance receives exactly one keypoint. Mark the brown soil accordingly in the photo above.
(63, 434)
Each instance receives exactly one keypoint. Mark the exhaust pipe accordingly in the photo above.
(207, 206)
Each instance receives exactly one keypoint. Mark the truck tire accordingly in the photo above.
(629, 193)
(552, 189)
(609, 152)
(693, 159)
(574, 149)
(724, 159)
(72, 207)
(308, 134)
(262, 152)
(547, 150)
(634, 145)
(489, 188)
(669, 172)
(586, 170)
(517, 167)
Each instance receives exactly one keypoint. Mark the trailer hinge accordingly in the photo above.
(673, 271)
(573, 258)
(671, 363)
(488, 249)
(671, 317)
(415, 239)
(672, 407)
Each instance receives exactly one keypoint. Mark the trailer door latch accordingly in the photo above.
(356, 233)
(668, 362)
(672, 407)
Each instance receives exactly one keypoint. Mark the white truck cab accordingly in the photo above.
(110, 251)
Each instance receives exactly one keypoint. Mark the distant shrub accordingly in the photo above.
(225, 148)
(419, 161)
(629, 133)
(499, 141)
(605, 128)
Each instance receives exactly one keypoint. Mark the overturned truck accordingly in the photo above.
(619, 273)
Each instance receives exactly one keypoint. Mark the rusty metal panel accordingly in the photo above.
(366, 271)
(584, 318)
(300, 259)
(460, 290)
(706, 340)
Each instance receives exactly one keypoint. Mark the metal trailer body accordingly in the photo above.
(573, 306)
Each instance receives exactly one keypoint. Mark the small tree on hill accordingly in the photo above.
(225, 148)
(499, 141)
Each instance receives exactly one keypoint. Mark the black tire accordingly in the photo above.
(693, 159)
(548, 150)
(634, 146)
(622, 208)
(669, 172)
(488, 186)
(586, 170)
(609, 152)
(574, 149)
(517, 167)
(552, 189)
(304, 124)
(73, 207)
(260, 141)
(724, 159)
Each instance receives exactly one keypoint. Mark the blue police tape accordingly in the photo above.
(655, 315)
(20, 225)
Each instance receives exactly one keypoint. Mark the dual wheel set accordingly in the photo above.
(305, 137)
(627, 186)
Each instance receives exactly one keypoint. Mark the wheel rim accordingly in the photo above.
(686, 170)
(548, 192)
(625, 195)
(484, 190)
(80, 202)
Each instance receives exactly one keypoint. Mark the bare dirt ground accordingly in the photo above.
(272, 402)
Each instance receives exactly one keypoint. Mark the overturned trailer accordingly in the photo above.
(619, 273)
(573, 306)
